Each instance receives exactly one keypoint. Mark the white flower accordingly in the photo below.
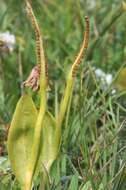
(99, 73)
(91, 4)
(8, 40)
(106, 79)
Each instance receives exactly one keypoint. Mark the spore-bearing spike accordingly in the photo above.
(39, 50)
(82, 50)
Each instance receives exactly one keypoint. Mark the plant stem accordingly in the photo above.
(65, 100)
(37, 136)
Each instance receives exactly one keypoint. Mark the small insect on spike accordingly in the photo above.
(39, 43)
(33, 79)
(82, 49)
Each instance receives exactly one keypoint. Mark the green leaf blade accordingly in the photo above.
(20, 136)
(50, 142)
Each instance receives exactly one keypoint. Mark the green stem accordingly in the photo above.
(43, 183)
(37, 137)
(27, 187)
(65, 100)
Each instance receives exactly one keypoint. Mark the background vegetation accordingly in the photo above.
(92, 155)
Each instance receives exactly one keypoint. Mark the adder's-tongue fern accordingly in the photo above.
(35, 135)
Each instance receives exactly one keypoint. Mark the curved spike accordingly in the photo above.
(82, 49)
(39, 43)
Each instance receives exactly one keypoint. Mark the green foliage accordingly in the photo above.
(21, 137)
(28, 141)
(50, 141)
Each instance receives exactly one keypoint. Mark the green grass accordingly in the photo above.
(93, 145)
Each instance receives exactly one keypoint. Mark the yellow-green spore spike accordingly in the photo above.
(72, 74)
